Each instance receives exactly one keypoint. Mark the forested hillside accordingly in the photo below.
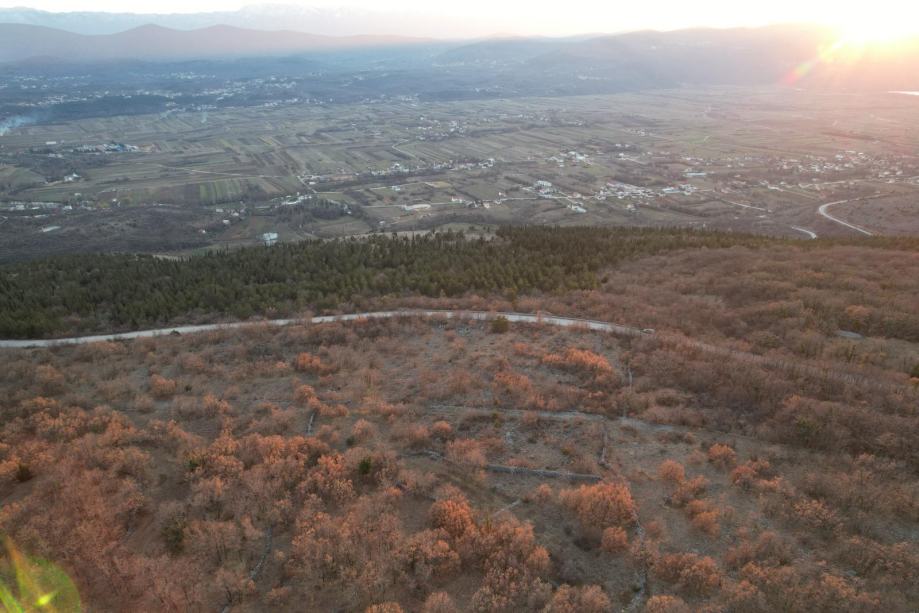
(90, 293)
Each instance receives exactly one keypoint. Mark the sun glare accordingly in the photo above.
(879, 26)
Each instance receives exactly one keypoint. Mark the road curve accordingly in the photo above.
(810, 233)
(825, 207)
(539, 318)
(551, 320)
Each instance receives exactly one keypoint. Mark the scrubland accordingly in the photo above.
(743, 458)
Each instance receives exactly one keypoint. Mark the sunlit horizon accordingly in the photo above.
(880, 21)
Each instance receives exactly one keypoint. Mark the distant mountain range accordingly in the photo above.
(742, 56)
(790, 54)
(155, 43)
(269, 17)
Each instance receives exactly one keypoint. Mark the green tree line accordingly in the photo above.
(107, 292)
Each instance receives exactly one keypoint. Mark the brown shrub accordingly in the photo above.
(453, 515)
(769, 549)
(601, 505)
(704, 517)
(213, 406)
(543, 493)
(689, 489)
(439, 602)
(49, 379)
(161, 387)
(816, 515)
(427, 555)
(585, 599)
(466, 451)
(193, 363)
(416, 436)
(330, 478)
(385, 607)
(442, 430)
(515, 389)
(614, 540)
(897, 564)
(671, 471)
(655, 529)
(746, 475)
(363, 431)
(579, 360)
(696, 575)
(666, 604)
(386, 410)
(303, 394)
(514, 567)
(786, 588)
(722, 456)
(312, 364)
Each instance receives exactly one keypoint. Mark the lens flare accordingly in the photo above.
(32, 584)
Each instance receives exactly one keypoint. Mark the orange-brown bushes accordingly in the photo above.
(313, 364)
(304, 393)
(425, 556)
(514, 565)
(272, 419)
(788, 589)
(666, 604)
(386, 410)
(441, 430)
(722, 456)
(453, 515)
(895, 565)
(768, 549)
(815, 515)
(194, 363)
(378, 467)
(459, 382)
(704, 517)
(694, 574)
(748, 474)
(161, 387)
(600, 506)
(585, 599)
(584, 363)
(579, 360)
(466, 451)
(688, 490)
(671, 471)
(614, 540)
(363, 431)
(542, 494)
(516, 390)
(385, 607)
(439, 602)
(49, 379)
(352, 551)
(415, 436)
(330, 479)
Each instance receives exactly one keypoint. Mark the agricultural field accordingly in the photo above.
(760, 160)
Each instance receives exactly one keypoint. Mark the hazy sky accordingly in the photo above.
(575, 16)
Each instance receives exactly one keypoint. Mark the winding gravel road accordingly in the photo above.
(551, 320)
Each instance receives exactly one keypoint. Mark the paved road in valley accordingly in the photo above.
(826, 207)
